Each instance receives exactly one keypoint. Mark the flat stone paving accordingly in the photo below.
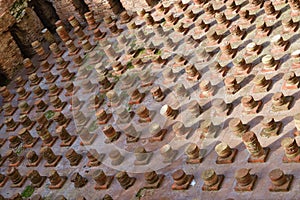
(197, 55)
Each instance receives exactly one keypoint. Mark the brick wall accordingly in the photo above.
(16, 34)
(11, 56)
(28, 30)
(6, 21)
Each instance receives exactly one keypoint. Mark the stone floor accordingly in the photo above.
(195, 47)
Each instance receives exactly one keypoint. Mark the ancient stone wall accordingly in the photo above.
(19, 26)
(101, 8)
(46, 12)
(67, 8)
(11, 57)
(6, 21)
(27, 30)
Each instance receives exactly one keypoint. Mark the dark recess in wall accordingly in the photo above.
(46, 12)
(152, 2)
(26, 50)
(81, 6)
(3, 79)
(119, 6)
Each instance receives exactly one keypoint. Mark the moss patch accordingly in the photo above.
(141, 51)
(89, 67)
(159, 52)
(116, 78)
(129, 65)
(49, 114)
(139, 194)
(19, 150)
(93, 126)
(28, 191)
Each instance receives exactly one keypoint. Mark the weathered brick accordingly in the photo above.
(11, 58)
(6, 21)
